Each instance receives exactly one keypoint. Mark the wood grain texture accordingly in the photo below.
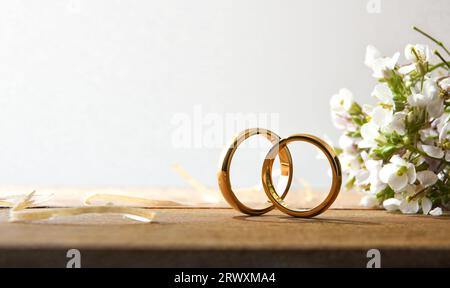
(223, 237)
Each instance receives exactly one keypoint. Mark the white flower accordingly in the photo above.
(426, 205)
(428, 98)
(422, 51)
(391, 204)
(370, 131)
(418, 131)
(380, 65)
(436, 211)
(381, 116)
(423, 55)
(350, 163)
(383, 93)
(369, 134)
(340, 104)
(387, 121)
(343, 101)
(398, 173)
(382, 120)
(371, 174)
(396, 123)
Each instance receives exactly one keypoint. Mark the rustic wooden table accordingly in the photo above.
(225, 238)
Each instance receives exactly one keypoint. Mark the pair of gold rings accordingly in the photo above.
(280, 149)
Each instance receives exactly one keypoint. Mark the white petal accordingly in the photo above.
(431, 89)
(444, 132)
(346, 142)
(427, 178)
(381, 66)
(447, 156)
(410, 190)
(422, 50)
(411, 207)
(365, 156)
(418, 100)
(366, 144)
(362, 177)
(372, 53)
(386, 172)
(369, 201)
(342, 101)
(366, 108)
(373, 164)
(391, 62)
(397, 124)
(435, 108)
(369, 131)
(398, 183)
(407, 69)
(436, 211)
(433, 151)
(399, 161)
(339, 121)
(381, 117)
(409, 55)
(336, 102)
(411, 173)
(383, 93)
(376, 187)
(391, 204)
(426, 205)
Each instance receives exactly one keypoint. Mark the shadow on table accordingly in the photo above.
(288, 219)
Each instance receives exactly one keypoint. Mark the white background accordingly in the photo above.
(88, 88)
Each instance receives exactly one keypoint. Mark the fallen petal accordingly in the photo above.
(436, 211)
(391, 204)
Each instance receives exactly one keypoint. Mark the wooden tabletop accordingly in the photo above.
(225, 238)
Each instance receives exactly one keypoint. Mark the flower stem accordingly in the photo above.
(439, 43)
(438, 66)
(414, 197)
(435, 52)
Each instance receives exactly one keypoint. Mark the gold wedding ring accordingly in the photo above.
(269, 188)
(224, 172)
(279, 149)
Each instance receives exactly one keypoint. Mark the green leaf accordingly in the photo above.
(385, 194)
(399, 90)
(385, 152)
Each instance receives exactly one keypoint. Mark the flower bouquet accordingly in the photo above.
(398, 151)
